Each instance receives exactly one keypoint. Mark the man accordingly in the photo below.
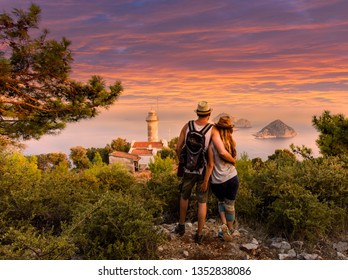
(195, 178)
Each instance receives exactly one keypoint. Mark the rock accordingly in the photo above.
(283, 256)
(254, 241)
(283, 245)
(236, 233)
(185, 253)
(341, 246)
(297, 244)
(307, 256)
(276, 129)
(290, 255)
(249, 248)
(341, 256)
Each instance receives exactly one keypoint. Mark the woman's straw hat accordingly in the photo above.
(224, 123)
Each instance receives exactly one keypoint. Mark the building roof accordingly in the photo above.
(145, 145)
(119, 154)
(142, 152)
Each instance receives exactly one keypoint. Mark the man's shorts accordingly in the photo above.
(188, 181)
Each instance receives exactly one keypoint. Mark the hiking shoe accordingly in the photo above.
(199, 238)
(179, 229)
(225, 233)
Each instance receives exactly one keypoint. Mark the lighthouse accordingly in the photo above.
(152, 126)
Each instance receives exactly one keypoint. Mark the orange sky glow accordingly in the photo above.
(260, 60)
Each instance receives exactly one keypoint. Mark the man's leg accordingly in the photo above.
(202, 198)
(183, 210)
(186, 185)
(202, 213)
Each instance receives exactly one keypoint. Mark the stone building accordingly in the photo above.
(131, 161)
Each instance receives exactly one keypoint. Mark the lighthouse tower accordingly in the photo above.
(152, 126)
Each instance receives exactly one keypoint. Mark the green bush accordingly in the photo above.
(26, 243)
(44, 206)
(115, 227)
(298, 199)
(165, 187)
(297, 213)
(161, 165)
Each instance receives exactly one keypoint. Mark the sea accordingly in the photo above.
(262, 148)
(87, 135)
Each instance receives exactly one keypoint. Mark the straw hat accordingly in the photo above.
(203, 108)
(224, 123)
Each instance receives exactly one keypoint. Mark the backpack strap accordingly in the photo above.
(191, 126)
(206, 128)
(203, 131)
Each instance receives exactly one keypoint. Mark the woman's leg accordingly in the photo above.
(231, 193)
(230, 213)
(221, 208)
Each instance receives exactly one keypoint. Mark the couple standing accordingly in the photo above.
(219, 172)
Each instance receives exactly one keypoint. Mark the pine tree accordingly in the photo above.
(37, 96)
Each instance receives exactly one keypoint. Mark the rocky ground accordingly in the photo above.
(246, 244)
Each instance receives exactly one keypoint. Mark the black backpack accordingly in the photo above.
(193, 155)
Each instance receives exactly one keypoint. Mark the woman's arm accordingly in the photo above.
(209, 169)
(215, 136)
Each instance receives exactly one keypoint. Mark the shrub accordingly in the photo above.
(297, 213)
(161, 165)
(115, 227)
(165, 187)
(26, 243)
(305, 199)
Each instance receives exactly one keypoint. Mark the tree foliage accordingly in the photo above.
(78, 155)
(37, 95)
(50, 161)
(119, 144)
(333, 129)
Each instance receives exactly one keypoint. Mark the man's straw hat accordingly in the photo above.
(203, 108)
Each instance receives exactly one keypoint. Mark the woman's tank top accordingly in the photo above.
(223, 170)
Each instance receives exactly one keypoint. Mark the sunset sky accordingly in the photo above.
(256, 59)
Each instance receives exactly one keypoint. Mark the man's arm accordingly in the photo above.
(215, 136)
(181, 140)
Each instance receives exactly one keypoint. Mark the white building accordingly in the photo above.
(143, 151)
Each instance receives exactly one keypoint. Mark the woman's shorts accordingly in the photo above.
(226, 190)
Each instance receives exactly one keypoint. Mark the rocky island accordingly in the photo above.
(238, 123)
(276, 129)
(242, 123)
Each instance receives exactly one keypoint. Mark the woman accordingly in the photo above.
(223, 180)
